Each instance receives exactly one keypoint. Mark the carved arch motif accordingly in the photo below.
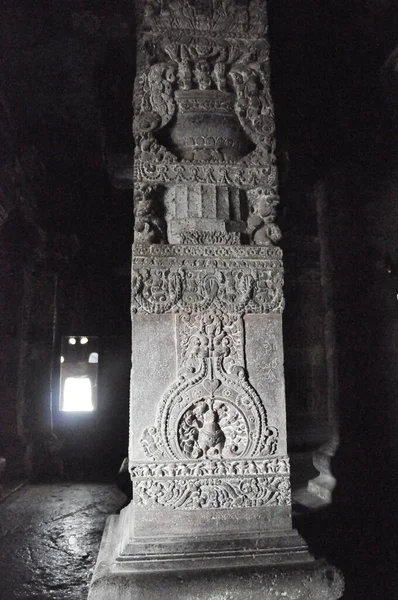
(211, 411)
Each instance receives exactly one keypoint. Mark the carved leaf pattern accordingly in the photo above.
(238, 66)
(211, 411)
(205, 468)
(238, 291)
(190, 494)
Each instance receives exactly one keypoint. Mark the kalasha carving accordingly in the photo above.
(199, 134)
(206, 468)
(260, 224)
(211, 411)
(200, 98)
(149, 223)
(191, 494)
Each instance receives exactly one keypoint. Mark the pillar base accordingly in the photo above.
(283, 569)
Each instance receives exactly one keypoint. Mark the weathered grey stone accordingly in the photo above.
(211, 484)
(201, 579)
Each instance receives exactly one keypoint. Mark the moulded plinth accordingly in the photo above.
(281, 569)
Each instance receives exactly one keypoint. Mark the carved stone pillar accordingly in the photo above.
(208, 457)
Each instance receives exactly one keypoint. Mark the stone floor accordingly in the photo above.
(50, 536)
(49, 539)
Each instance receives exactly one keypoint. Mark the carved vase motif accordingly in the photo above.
(207, 128)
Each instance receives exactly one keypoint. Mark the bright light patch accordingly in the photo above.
(62, 359)
(72, 341)
(83, 340)
(93, 358)
(77, 395)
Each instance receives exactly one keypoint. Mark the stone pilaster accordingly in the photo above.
(208, 457)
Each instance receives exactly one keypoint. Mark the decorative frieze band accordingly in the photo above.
(241, 20)
(238, 291)
(189, 279)
(212, 493)
(241, 176)
(208, 468)
(206, 252)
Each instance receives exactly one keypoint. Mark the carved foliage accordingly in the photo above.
(211, 411)
(205, 256)
(210, 237)
(191, 494)
(213, 17)
(150, 170)
(260, 224)
(239, 290)
(149, 223)
(183, 73)
(210, 468)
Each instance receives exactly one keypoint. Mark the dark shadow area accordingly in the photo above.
(66, 76)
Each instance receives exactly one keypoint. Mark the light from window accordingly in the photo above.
(93, 358)
(77, 395)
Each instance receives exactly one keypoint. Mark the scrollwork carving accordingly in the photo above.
(191, 494)
(231, 75)
(261, 257)
(239, 290)
(156, 290)
(210, 237)
(211, 411)
(255, 110)
(221, 174)
(208, 468)
(248, 19)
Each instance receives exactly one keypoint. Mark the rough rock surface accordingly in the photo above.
(49, 538)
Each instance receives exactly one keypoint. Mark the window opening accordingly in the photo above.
(79, 373)
(77, 395)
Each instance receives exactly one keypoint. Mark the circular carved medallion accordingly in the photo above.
(212, 428)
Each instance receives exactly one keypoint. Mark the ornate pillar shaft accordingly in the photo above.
(208, 427)
(207, 456)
